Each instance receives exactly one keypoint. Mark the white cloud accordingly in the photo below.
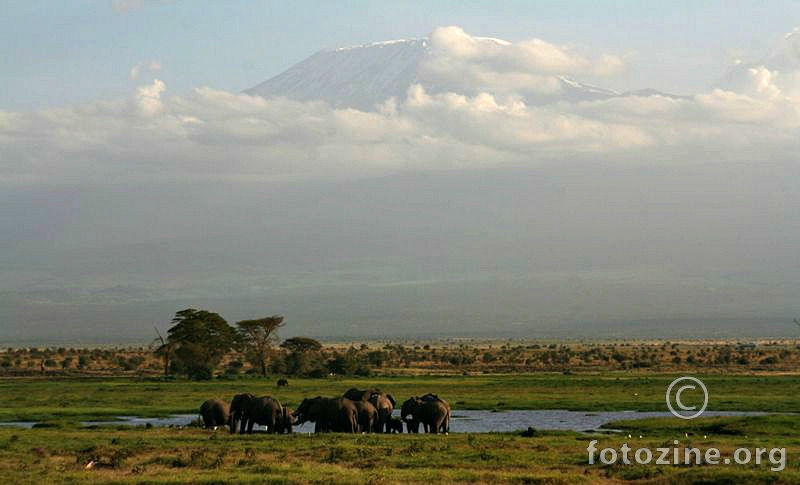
(776, 76)
(148, 98)
(152, 66)
(133, 75)
(467, 63)
(216, 134)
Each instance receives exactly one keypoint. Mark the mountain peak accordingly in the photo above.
(366, 75)
(423, 42)
(351, 77)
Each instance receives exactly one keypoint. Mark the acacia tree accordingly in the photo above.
(258, 336)
(200, 339)
(301, 344)
(304, 358)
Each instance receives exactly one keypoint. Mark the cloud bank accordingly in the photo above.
(470, 64)
(482, 121)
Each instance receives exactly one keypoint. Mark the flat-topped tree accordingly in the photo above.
(201, 339)
(301, 345)
(258, 336)
(304, 358)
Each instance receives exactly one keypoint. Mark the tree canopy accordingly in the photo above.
(301, 344)
(258, 336)
(201, 339)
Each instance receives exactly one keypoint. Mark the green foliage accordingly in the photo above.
(257, 337)
(301, 344)
(200, 340)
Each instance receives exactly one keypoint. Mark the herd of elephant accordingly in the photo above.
(357, 411)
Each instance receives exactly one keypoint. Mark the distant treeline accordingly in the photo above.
(306, 357)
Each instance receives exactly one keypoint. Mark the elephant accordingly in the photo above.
(395, 425)
(384, 403)
(215, 412)
(249, 410)
(238, 411)
(354, 394)
(430, 411)
(433, 397)
(328, 414)
(367, 416)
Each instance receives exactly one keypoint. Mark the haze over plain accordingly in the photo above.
(454, 184)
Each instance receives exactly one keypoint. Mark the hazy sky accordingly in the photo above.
(52, 53)
(136, 179)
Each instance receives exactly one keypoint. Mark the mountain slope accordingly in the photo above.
(365, 76)
(355, 77)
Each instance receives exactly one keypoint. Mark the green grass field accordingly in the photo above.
(84, 399)
(59, 453)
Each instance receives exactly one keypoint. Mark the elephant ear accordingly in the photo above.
(391, 400)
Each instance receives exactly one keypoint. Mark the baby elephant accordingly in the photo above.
(395, 425)
(215, 412)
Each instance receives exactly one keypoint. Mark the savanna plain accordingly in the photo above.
(59, 398)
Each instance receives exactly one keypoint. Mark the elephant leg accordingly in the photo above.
(353, 425)
(437, 425)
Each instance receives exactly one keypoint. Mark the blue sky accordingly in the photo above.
(55, 53)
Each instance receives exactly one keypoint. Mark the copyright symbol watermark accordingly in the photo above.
(688, 383)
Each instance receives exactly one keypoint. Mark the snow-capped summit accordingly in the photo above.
(382, 43)
(351, 77)
(364, 76)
